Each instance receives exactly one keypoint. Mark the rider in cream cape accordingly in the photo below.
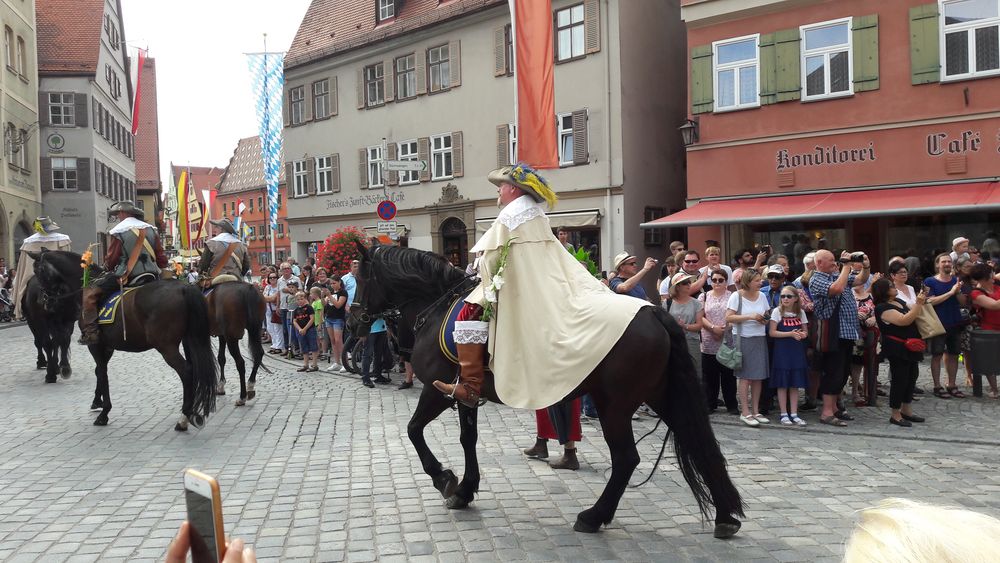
(552, 321)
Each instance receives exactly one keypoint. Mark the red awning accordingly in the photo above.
(950, 198)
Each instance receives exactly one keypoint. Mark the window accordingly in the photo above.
(281, 228)
(406, 76)
(439, 68)
(508, 46)
(61, 109)
(569, 33)
(386, 9)
(64, 174)
(653, 237)
(279, 201)
(297, 105)
(564, 125)
(374, 85)
(8, 46)
(826, 60)
(22, 57)
(324, 174)
(408, 151)
(250, 206)
(970, 38)
(225, 209)
(736, 73)
(260, 203)
(512, 143)
(321, 99)
(21, 158)
(300, 180)
(374, 166)
(441, 157)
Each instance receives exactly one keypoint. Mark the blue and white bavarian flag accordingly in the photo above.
(268, 81)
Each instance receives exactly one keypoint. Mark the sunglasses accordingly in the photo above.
(685, 282)
(787, 296)
(774, 276)
(719, 280)
(690, 261)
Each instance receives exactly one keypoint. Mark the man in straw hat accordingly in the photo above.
(121, 264)
(224, 255)
(46, 236)
(549, 321)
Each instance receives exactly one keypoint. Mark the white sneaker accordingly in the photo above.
(344, 370)
(749, 420)
(335, 367)
(798, 421)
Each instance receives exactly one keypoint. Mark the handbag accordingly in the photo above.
(275, 318)
(911, 344)
(828, 330)
(731, 356)
(928, 322)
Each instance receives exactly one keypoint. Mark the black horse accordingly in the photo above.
(652, 352)
(51, 305)
(234, 308)
(162, 315)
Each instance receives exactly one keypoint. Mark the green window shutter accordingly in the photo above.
(866, 53)
(768, 70)
(788, 63)
(702, 97)
(925, 51)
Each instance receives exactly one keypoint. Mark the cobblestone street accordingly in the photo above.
(319, 468)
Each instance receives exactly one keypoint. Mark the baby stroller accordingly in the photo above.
(6, 306)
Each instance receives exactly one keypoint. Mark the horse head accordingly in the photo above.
(59, 273)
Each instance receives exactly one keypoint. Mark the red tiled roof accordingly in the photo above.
(334, 26)
(202, 177)
(147, 139)
(69, 35)
(246, 168)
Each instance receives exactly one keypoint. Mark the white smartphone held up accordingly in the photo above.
(204, 514)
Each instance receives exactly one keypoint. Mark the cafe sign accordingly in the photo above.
(830, 155)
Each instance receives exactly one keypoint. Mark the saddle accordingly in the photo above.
(446, 330)
(108, 311)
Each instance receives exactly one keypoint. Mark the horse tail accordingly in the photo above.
(255, 322)
(698, 454)
(198, 352)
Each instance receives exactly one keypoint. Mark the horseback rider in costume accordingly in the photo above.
(46, 236)
(134, 249)
(551, 317)
(224, 254)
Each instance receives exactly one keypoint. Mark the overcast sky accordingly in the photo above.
(203, 86)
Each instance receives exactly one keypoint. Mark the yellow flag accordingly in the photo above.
(183, 229)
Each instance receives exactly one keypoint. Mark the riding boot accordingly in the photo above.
(540, 450)
(89, 333)
(470, 381)
(568, 461)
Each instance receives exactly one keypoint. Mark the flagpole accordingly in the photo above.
(267, 187)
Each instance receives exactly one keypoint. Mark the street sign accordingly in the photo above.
(405, 165)
(386, 210)
(386, 226)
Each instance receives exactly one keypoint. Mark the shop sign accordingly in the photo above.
(824, 156)
(69, 212)
(939, 143)
(365, 200)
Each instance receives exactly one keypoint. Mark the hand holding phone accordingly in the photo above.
(204, 513)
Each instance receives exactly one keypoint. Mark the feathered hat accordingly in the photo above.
(526, 178)
(44, 226)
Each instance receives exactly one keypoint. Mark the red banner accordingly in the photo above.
(535, 72)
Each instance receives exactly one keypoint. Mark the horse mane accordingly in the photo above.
(413, 273)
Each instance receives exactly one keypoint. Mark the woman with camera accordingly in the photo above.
(901, 345)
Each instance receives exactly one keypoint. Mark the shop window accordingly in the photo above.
(970, 38)
(736, 72)
(653, 237)
(826, 60)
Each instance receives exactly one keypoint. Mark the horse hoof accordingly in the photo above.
(586, 527)
(181, 427)
(65, 372)
(251, 394)
(725, 530)
(50, 379)
(446, 482)
(101, 421)
(455, 502)
(197, 420)
(41, 365)
(95, 406)
(240, 402)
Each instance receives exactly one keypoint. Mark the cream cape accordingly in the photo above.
(26, 265)
(555, 322)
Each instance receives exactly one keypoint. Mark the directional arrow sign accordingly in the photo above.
(405, 165)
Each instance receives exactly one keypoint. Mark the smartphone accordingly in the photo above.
(204, 514)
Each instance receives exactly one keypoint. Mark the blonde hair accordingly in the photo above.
(748, 275)
(315, 292)
(713, 250)
(299, 294)
(796, 306)
(904, 531)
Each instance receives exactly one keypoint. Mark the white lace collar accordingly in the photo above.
(226, 237)
(127, 224)
(519, 212)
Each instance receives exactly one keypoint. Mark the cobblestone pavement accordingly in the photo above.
(319, 468)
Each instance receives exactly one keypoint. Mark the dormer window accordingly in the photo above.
(386, 9)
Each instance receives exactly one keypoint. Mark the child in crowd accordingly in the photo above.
(304, 321)
(789, 369)
(316, 300)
